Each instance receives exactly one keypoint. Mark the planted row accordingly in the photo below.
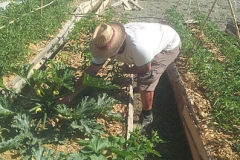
(219, 79)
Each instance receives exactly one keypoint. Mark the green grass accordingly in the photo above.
(29, 26)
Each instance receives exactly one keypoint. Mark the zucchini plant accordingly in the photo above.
(46, 85)
(117, 147)
(96, 147)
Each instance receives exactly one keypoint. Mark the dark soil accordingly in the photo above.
(167, 122)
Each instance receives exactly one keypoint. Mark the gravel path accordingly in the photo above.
(221, 13)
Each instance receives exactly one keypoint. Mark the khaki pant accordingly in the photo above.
(148, 81)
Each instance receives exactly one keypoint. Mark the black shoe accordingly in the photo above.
(144, 122)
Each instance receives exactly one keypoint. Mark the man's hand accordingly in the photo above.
(125, 68)
(65, 100)
(78, 85)
(136, 70)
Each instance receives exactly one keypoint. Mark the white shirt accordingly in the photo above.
(144, 41)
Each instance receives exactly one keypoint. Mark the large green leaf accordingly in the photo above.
(21, 122)
(46, 154)
(24, 71)
(4, 112)
(97, 157)
(87, 126)
(98, 82)
(62, 75)
(64, 110)
(10, 144)
(95, 145)
(75, 156)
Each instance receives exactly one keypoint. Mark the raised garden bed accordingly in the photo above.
(202, 91)
(205, 138)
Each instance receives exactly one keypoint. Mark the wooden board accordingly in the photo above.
(198, 149)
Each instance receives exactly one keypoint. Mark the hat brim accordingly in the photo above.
(116, 42)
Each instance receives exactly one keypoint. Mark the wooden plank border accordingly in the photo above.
(130, 111)
(198, 148)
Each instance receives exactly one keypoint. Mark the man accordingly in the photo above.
(148, 47)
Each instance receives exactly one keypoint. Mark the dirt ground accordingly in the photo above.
(154, 10)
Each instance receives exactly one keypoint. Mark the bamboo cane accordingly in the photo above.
(141, 8)
(198, 5)
(234, 21)
(201, 29)
(41, 7)
(102, 7)
(27, 14)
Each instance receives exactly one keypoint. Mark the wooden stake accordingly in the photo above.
(41, 7)
(198, 5)
(201, 29)
(234, 21)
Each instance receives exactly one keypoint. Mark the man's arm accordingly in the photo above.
(92, 70)
(135, 69)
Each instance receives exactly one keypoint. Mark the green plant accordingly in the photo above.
(117, 147)
(98, 83)
(83, 117)
(42, 153)
(24, 140)
(46, 85)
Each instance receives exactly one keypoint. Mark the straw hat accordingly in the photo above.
(107, 39)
